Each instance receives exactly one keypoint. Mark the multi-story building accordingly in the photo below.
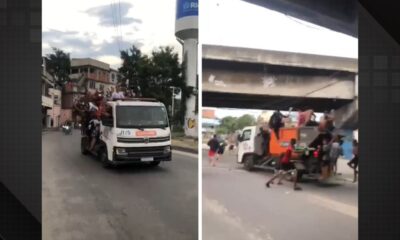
(86, 75)
(51, 100)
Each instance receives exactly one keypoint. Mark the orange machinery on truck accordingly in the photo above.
(250, 149)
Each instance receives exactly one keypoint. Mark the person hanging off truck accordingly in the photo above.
(276, 122)
(286, 167)
(266, 138)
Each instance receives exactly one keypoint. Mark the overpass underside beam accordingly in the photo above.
(269, 102)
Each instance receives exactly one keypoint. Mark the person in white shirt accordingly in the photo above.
(118, 94)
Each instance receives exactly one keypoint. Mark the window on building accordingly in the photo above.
(92, 85)
(91, 70)
(74, 70)
(101, 87)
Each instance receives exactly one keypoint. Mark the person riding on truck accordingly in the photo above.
(286, 167)
(276, 122)
(100, 112)
(266, 138)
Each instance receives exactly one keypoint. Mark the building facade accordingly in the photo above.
(87, 75)
(51, 100)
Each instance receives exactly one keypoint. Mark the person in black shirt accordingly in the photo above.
(213, 143)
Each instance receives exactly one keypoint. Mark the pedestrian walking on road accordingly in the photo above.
(213, 144)
(335, 152)
(354, 162)
(221, 149)
(286, 167)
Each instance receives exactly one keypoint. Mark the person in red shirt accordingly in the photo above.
(286, 167)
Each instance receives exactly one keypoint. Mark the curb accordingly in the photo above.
(184, 149)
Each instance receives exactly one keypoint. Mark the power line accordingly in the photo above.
(115, 25)
(120, 21)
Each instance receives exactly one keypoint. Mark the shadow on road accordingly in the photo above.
(134, 168)
(139, 169)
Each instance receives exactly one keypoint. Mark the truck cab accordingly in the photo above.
(136, 132)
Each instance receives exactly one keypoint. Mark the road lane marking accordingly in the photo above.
(336, 206)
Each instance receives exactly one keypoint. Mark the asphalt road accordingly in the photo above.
(81, 200)
(237, 205)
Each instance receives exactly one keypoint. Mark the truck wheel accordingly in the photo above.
(154, 163)
(104, 159)
(248, 162)
(84, 143)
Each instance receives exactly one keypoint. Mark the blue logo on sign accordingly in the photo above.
(186, 8)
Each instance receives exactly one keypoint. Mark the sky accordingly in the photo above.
(240, 24)
(87, 28)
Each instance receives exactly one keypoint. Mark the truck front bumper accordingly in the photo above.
(142, 155)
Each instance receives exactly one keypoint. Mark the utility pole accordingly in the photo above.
(172, 107)
(173, 100)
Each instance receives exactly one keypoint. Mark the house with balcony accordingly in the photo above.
(87, 74)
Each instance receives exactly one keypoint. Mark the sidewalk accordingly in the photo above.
(185, 144)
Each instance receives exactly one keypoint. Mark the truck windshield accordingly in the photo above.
(142, 117)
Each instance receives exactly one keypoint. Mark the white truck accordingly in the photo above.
(305, 157)
(136, 132)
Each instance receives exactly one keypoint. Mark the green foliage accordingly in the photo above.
(59, 66)
(245, 120)
(152, 76)
(231, 124)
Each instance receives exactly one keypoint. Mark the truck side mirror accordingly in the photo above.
(107, 121)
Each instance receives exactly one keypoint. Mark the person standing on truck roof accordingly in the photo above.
(354, 162)
(286, 167)
(326, 124)
(117, 94)
(213, 143)
(276, 122)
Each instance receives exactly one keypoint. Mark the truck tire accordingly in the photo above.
(155, 163)
(248, 162)
(84, 143)
(104, 159)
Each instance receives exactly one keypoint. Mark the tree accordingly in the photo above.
(230, 124)
(155, 74)
(59, 66)
(132, 64)
(245, 120)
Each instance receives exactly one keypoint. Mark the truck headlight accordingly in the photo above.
(167, 149)
(121, 151)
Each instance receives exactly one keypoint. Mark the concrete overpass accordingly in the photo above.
(262, 79)
(337, 15)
